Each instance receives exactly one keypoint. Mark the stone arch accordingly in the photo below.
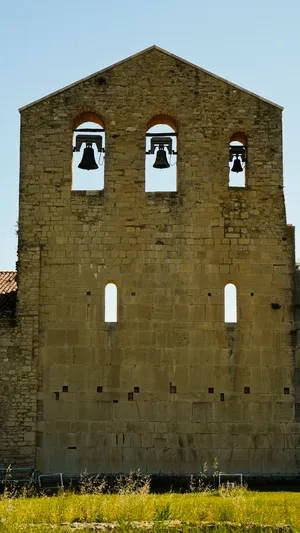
(162, 119)
(87, 116)
(239, 136)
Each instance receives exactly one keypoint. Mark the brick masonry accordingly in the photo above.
(170, 255)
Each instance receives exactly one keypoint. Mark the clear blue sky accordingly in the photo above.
(47, 45)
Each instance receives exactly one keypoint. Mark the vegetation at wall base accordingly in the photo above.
(129, 507)
(238, 510)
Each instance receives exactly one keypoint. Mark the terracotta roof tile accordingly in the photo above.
(8, 282)
(8, 293)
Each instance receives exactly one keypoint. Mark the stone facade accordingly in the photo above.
(68, 373)
(17, 382)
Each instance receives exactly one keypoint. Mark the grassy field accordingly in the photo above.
(237, 506)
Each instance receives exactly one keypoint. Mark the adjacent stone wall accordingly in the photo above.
(170, 255)
(17, 426)
(295, 340)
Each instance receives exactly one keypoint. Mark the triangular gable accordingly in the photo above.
(154, 47)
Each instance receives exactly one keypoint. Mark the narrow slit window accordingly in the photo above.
(88, 157)
(237, 160)
(111, 303)
(161, 157)
(230, 303)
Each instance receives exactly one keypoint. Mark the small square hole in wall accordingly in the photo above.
(286, 390)
(99, 388)
(130, 396)
(173, 389)
(65, 388)
(115, 401)
(222, 397)
(275, 305)
(210, 390)
(88, 293)
(252, 293)
(246, 390)
(209, 294)
(56, 395)
(136, 389)
(133, 294)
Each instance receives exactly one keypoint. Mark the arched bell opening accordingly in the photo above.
(88, 153)
(237, 160)
(161, 155)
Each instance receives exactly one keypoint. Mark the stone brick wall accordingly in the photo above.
(295, 339)
(17, 386)
(170, 255)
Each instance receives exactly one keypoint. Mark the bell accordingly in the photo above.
(88, 159)
(161, 158)
(237, 167)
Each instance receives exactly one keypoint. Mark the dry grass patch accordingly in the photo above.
(226, 509)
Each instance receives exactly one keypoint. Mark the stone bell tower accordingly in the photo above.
(171, 373)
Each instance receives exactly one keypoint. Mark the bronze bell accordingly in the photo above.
(237, 166)
(88, 159)
(161, 158)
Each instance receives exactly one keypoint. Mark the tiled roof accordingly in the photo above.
(8, 282)
(8, 293)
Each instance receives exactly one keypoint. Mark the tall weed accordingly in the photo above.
(133, 483)
(91, 483)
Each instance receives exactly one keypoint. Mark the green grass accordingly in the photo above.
(237, 506)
